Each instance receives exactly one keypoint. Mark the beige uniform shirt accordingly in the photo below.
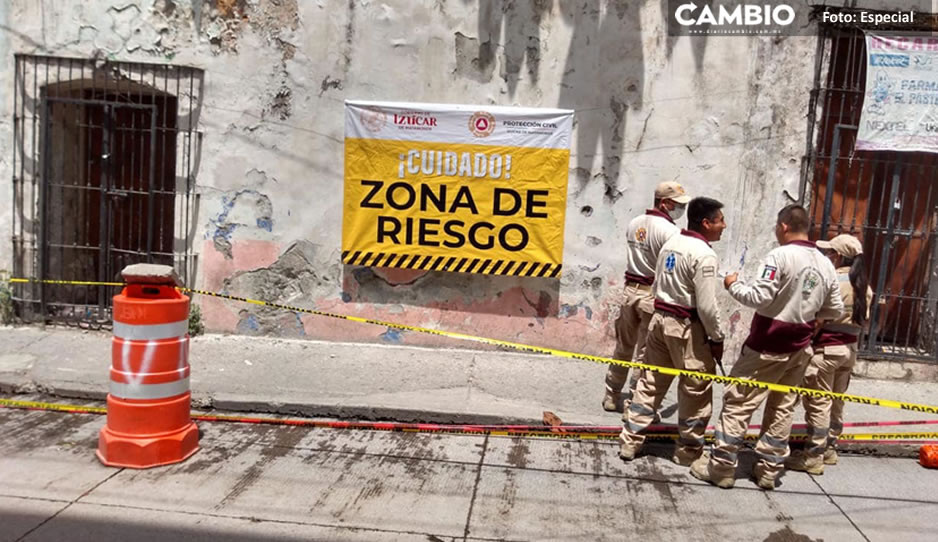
(796, 286)
(686, 278)
(843, 330)
(647, 233)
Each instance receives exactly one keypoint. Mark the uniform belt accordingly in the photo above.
(832, 338)
(638, 279)
(677, 311)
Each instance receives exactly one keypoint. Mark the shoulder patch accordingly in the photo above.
(670, 262)
(641, 235)
(769, 272)
(708, 271)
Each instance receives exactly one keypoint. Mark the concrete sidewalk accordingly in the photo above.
(252, 483)
(367, 381)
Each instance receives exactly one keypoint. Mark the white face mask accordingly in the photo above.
(677, 212)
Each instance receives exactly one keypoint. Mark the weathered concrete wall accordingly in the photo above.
(6, 138)
(723, 115)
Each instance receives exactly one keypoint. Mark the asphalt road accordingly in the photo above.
(255, 482)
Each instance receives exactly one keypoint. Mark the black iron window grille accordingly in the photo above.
(887, 199)
(104, 161)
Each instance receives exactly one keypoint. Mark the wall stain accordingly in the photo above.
(569, 311)
(328, 83)
(787, 535)
(542, 307)
(242, 209)
(291, 280)
(393, 336)
(734, 320)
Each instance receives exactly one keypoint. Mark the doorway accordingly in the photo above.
(887, 199)
(104, 180)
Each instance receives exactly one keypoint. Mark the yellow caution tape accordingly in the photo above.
(904, 435)
(807, 392)
(725, 380)
(37, 405)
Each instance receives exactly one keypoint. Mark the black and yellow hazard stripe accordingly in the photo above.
(454, 264)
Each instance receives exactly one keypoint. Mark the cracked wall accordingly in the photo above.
(722, 115)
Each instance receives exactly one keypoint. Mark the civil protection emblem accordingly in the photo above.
(482, 124)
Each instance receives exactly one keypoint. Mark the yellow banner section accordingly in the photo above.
(456, 207)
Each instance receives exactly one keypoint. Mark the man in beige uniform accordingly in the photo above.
(684, 333)
(835, 353)
(796, 286)
(646, 235)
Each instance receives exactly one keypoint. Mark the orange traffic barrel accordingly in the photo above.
(148, 418)
(928, 456)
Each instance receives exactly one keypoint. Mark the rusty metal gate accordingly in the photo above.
(887, 199)
(104, 166)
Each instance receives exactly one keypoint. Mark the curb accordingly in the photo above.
(371, 413)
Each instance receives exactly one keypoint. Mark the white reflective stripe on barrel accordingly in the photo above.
(151, 331)
(149, 391)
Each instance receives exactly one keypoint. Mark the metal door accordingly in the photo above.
(85, 232)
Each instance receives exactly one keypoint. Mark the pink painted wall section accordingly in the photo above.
(512, 313)
(508, 317)
(217, 314)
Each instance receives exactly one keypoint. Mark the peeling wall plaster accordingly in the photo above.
(723, 115)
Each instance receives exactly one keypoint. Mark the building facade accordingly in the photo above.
(209, 135)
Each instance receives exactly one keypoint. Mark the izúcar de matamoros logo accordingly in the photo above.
(373, 119)
(415, 120)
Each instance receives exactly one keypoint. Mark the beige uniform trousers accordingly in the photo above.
(828, 370)
(740, 402)
(631, 328)
(680, 343)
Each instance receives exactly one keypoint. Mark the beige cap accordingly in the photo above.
(847, 246)
(673, 191)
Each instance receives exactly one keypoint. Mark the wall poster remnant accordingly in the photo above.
(473, 189)
(900, 106)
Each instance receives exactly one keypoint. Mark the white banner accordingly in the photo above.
(479, 125)
(900, 109)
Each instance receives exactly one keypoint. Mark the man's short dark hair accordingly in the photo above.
(795, 217)
(699, 209)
